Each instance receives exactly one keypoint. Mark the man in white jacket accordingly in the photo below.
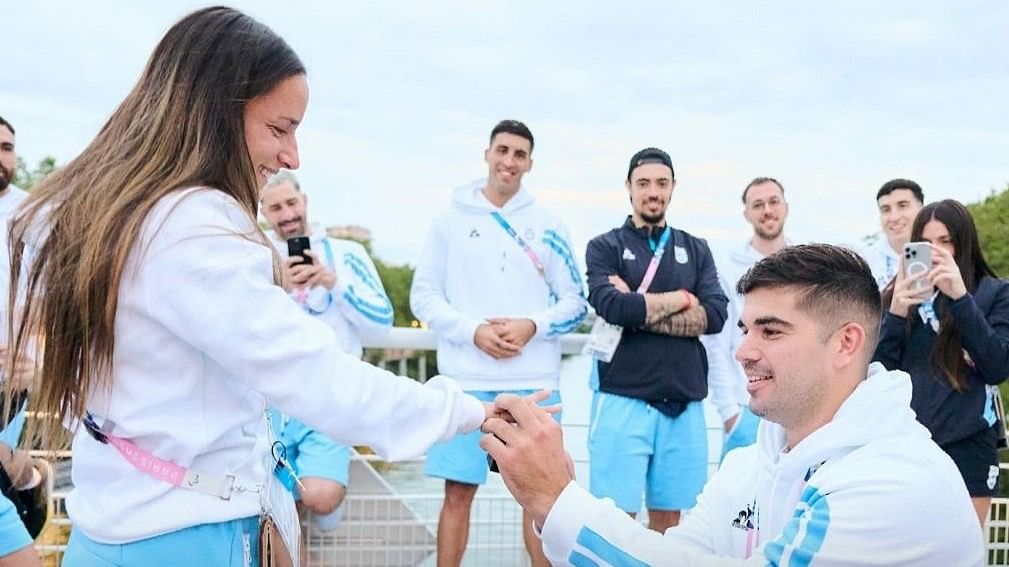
(841, 474)
(498, 283)
(765, 209)
(341, 288)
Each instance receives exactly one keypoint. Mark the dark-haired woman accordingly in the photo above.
(167, 335)
(952, 337)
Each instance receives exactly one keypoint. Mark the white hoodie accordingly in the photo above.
(879, 492)
(472, 270)
(357, 306)
(882, 260)
(204, 341)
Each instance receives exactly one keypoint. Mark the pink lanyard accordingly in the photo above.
(533, 257)
(653, 265)
(214, 485)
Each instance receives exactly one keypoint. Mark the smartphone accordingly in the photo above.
(917, 259)
(296, 246)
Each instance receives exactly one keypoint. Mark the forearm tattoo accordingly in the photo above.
(690, 323)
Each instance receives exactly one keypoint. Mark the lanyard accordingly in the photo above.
(653, 266)
(533, 257)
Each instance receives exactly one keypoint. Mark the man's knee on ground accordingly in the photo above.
(321, 495)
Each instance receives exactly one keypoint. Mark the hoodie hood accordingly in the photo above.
(470, 198)
(880, 407)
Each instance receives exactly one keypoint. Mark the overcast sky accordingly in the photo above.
(832, 99)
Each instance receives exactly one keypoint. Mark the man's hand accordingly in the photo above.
(21, 373)
(620, 284)
(515, 331)
(529, 453)
(487, 339)
(307, 276)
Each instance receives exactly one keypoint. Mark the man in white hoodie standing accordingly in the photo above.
(841, 474)
(498, 283)
(765, 209)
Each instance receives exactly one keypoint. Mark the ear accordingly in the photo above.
(848, 345)
(530, 168)
(486, 155)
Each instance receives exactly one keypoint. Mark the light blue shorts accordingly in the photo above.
(309, 452)
(634, 449)
(744, 432)
(224, 544)
(13, 535)
(460, 458)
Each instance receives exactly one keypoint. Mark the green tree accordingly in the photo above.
(27, 178)
(992, 218)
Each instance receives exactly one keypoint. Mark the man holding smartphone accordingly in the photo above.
(899, 201)
(498, 283)
(336, 281)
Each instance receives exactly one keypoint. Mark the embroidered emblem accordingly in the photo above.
(628, 255)
(992, 477)
(680, 253)
(474, 233)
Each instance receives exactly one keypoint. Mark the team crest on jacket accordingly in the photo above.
(680, 253)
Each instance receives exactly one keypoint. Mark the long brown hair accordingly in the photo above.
(947, 351)
(180, 126)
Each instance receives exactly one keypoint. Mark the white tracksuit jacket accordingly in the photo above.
(357, 306)
(471, 270)
(204, 341)
(879, 492)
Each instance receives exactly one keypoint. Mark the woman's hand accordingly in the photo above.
(945, 274)
(905, 295)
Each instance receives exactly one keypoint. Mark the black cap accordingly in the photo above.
(650, 155)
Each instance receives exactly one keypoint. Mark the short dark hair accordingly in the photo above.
(513, 127)
(760, 180)
(650, 155)
(7, 124)
(896, 184)
(835, 283)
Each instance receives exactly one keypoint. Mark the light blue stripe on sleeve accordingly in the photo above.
(382, 316)
(814, 516)
(606, 551)
(567, 326)
(580, 560)
(558, 245)
(361, 269)
(989, 406)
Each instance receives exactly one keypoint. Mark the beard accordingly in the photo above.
(5, 177)
(768, 234)
(653, 219)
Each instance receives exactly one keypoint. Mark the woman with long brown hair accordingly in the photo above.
(952, 336)
(165, 332)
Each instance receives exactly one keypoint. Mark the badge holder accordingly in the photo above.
(603, 340)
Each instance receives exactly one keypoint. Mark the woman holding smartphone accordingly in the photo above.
(167, 334)
(952, 336)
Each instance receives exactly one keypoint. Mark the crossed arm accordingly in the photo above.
(673, 313)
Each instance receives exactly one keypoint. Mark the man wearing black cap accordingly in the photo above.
(657, 290)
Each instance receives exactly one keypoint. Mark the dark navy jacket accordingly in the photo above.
(906, 344)
(666, 371)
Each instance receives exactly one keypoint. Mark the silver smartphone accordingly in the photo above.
(917, 259)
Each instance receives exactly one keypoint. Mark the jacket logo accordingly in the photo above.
(745, 519)
(680, 253)
(474, 233)
(628, 255)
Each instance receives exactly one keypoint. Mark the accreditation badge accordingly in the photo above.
(603, 340)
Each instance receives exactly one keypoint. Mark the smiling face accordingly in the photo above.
(270, 124)
(508, 158)
(651, 188)
(766, 210)
(785, 358)
(284, 208)
(897, 210)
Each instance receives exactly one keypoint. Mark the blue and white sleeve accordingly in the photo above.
(362, 299)
(565, 281)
